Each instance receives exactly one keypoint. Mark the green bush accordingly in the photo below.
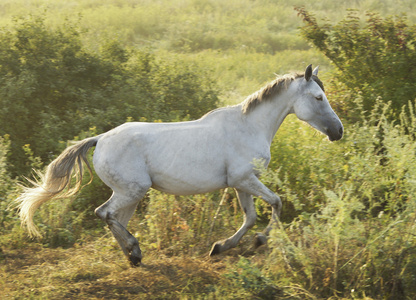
(7, 217)
(349, 212)
(248, 281)
(11, 235)
(375, 59)
(56, 87)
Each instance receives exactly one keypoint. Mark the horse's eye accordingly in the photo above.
(319, 98)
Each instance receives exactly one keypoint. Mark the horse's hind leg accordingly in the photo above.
(247, 206)
(116, 212)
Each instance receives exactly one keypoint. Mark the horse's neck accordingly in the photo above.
(269, 115)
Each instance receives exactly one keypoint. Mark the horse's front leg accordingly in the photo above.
(255, 187)
(247, 206)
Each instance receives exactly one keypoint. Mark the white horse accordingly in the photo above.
(184, 158)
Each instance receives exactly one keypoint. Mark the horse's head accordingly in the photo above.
(313, 107)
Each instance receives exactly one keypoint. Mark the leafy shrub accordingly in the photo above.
(249, 282)
(11, 234)
(376, 60)
(6, 185)
(48, 79)
(351, 204)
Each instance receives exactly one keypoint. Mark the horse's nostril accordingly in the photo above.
(341, 131)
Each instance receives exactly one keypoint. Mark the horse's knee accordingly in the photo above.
(279, 206)
(276, 203)
(251, 218)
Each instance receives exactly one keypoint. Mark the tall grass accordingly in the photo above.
(244, 41)
(266, 26)
(238, 73)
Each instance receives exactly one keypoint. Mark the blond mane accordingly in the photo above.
(273, 88)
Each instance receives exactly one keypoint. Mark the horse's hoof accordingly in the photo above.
(259, 240)
(135, 261)
(216, 249)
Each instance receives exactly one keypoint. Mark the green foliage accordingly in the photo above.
(335, 253)
(305, 165)
(7, 218)
(49, 79)
(59, 224)
(349, 209)
(46, 77)
(250, 281)
(376, 59)
(194, 25)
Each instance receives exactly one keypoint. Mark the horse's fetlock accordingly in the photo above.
(260, 239)
(132, 243)
(216, 249)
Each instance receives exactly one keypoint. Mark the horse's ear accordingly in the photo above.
(315, 71)
(308, 72)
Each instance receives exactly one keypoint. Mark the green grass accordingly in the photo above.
(245, 42)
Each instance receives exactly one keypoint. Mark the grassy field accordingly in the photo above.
(244, 42)
(350, 234)
(96, 269)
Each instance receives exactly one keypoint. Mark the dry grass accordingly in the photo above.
(98, 270)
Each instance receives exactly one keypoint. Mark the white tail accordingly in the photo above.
(56, 182)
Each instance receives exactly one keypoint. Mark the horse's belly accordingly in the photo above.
(194, 181)
(185, 168)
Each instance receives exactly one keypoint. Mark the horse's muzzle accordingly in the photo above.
(335, 134)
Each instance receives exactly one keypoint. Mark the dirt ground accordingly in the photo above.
(97, 270)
